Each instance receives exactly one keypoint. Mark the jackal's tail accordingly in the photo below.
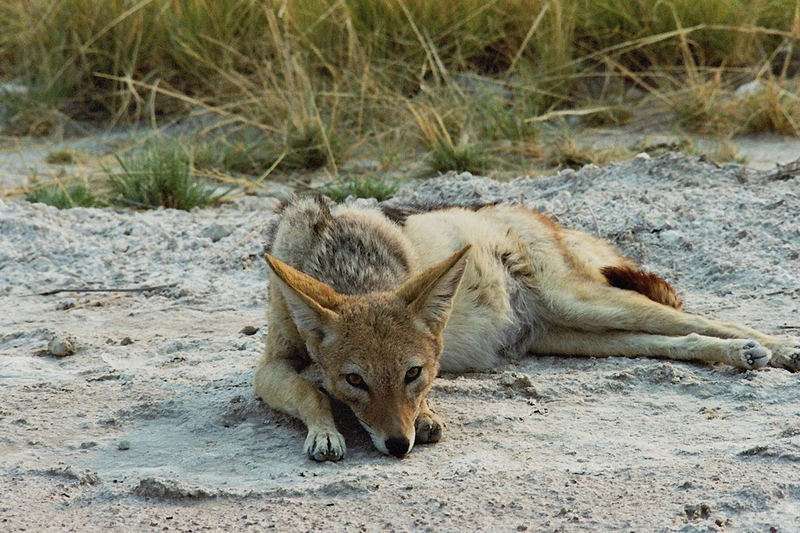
(646, 283)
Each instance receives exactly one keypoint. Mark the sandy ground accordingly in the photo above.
(151, 423)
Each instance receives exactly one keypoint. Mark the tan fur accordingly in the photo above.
(458, 290)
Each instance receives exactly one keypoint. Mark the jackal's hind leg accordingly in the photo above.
(428, 425)
(601, 308)
(741, 353)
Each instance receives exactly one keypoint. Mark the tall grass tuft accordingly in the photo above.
(161, 175)
(360, 187)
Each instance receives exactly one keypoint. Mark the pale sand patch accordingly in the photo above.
(152, 425)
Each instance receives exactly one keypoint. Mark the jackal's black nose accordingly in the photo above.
(397, 446)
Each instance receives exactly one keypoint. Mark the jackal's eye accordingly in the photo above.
(413, 373)
(356, 381)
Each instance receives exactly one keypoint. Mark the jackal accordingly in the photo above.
(382, 300)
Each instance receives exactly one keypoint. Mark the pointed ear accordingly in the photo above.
(312, 304)
(429, 294)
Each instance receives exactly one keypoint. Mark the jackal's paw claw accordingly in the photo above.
(786, 355)
(325, 444)
(428, 428)
(751, 354)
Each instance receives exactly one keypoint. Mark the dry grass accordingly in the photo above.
(566, 152)
(61, 157)
(323, 80)
(774, 107)
(711, 107)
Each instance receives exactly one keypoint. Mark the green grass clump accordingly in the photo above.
(77, 196)
(367, 187)
(161, 175)
(60, 157)
(460, 157)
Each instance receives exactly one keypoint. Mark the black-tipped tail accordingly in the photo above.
(646, 283)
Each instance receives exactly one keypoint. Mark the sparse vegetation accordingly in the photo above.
(767, 106)
(307, 148)
(247, 154)
(724, 152)
(702, 108)
(462, 157)
(615, 114)
(772, 107)
(499, 120)
(64, 198)
(565, 152)
(160, 175)
(360, 187)
(310, 146)
(60, 157)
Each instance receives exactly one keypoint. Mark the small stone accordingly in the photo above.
(124, 445)
(61, 346)
(518, 384)
(66, 304)
(249, 330)
(508, 380)
(363, 165)
(697, 511)
(749, 88)
(216, 232)
(87, 445)
(91, 478)
(642, 156)
(126, 341)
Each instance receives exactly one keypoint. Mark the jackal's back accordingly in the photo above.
(353, 249)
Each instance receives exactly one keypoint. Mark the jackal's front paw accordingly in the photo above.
(786, 354)
(428, 427)
(748, 354)
(324, 444)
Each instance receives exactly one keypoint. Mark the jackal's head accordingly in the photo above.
(379, 352)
